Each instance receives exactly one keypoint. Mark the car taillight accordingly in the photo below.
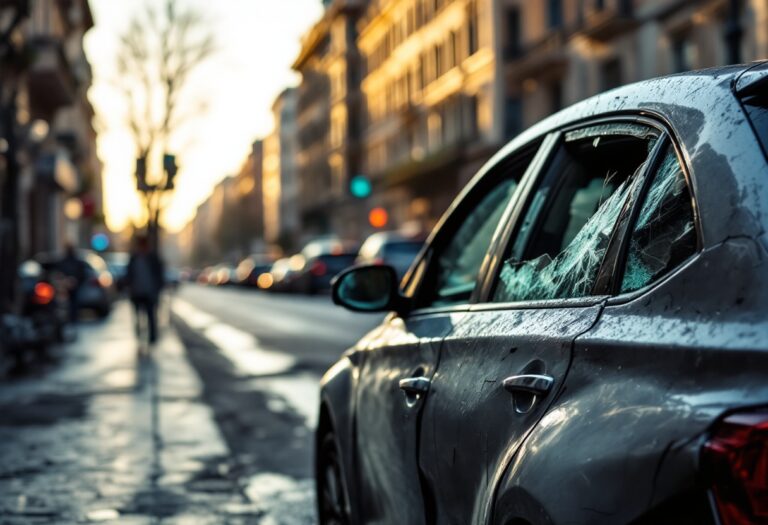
(43, 293)
(378, 260)
(736, 461)
(318, 269)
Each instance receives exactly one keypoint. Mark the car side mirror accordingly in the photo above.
(368, 288)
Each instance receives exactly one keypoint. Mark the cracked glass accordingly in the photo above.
(567, 227)
(664, 234)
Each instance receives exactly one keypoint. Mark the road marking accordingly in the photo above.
(241, 348)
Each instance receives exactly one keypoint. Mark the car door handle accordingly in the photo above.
(415, 385)
(537, 384)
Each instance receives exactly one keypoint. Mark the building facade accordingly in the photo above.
(561, 51)
(445, 83)
(60, 199)
(432, 103)
(281, 189)
(328, 121)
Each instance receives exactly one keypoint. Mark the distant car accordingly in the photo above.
(43, 302)
(316, 272)
(250, 268)
(205, 275)
(173, 278)
(98, 290)
(117, 262)
(392, 248)
(283, 274)
(584, 339)
(222, 275)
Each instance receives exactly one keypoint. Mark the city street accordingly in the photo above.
(215, 426)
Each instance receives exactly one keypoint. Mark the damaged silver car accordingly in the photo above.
(583, 338)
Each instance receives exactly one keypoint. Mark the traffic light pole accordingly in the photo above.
(153, 193)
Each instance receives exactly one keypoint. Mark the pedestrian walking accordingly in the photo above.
(74, 270)
(144, 280)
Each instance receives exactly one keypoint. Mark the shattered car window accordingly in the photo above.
(572, 272)
(664, 234)
(568, 226)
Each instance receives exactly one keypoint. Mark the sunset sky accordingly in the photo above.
(257, 41)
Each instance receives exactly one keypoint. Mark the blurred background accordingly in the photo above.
(353, 116)
(261, 147)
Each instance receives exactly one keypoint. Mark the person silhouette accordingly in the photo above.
(145, 279)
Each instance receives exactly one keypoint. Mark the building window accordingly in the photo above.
(472, 28)
(610, 73)
(453, 51)
(684, 56)
(514, 37)
(555, 13)
(422, 75)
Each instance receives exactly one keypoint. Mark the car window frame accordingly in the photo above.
(492, 279)
(443, 232)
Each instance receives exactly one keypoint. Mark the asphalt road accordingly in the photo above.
(260, 357)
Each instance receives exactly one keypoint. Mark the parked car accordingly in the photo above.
(98, 290)
(173, 278)
(221, 275)
(584, 339)
(392, 248)
(315, 273)
(43, 303)
(283, 274)
(250, 268)
(117, 262)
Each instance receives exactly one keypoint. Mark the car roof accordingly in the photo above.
(708, 125)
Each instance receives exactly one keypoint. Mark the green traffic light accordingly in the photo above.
(360, 186)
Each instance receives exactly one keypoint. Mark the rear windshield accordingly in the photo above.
(336, 263)
(757, 111)
(408, 248)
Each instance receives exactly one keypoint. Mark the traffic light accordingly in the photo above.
(360, 186)
(169, 165)
(378, 217)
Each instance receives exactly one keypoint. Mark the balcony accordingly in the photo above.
(50, 81)
(615, 18)
(547, 56)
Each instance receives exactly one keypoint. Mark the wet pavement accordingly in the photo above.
(214, 426)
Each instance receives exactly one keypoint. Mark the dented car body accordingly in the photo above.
(576, 329)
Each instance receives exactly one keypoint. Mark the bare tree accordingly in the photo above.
(157, 53)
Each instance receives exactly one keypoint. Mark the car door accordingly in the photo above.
(682, 342)
(503, 364)
(399, 364)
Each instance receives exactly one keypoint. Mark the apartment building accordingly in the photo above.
(432, 107)
(557, 52)
(60, 190)
(445, 83)
(281, 215)
(328, 121)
